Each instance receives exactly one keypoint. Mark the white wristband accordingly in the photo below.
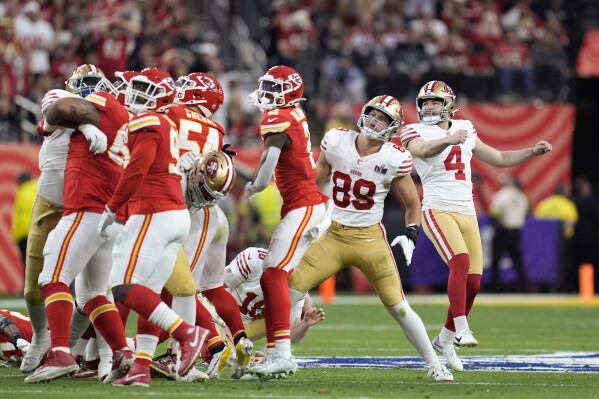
(48, 127)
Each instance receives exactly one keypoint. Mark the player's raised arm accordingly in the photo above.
(506, 159)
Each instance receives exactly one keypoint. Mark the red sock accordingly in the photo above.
(277, 302)
(107, 320)
(472, 289)
(59, 310)
(142, 299)
(456, 287)
(227, 308)
(124, 311)
(166, 298)
(90, 332)
(204, 319)
(146, 327)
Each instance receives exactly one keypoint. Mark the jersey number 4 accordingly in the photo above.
(361, 190)
(454, 162)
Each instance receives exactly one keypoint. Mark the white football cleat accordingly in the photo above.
(276, 366)
(439, 372)
(448, 352)
(193, 375)
(219, 362)
(33, 358)
(465, 338)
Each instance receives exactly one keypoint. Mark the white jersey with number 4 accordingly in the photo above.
(242, 278)
(360, 184)
(446, 178)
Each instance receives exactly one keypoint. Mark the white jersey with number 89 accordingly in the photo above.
(446, 178)
(360, 184)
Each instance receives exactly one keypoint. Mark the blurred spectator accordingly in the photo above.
(560, 207)
(412, 64)
(509, 207)
(263, 214)
(9, 123)
(24, 199)
(551, 65)
(342, 117)
(37, 35)
(522, 20)
(585, 241)
(512, 58)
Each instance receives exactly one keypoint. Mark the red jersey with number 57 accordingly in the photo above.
(90, 180)
(160, 188)
(196, 132)
(7, 350)
(295, 173)
(446, 178)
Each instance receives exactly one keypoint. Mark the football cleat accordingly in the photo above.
(448, 352)
(194, 375)
(219, 362)
(164, 366)
(122, 360)
(138, 376)
(33, 358)
(189, 348)
(57, 364)
(275, 366)
(439, 372)
(244, 349)
(465, 338)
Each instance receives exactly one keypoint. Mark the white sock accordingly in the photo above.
(414, 330)
(39, 321)
(103, 348)
(165, 318)
(185, 306)
(79, 348)
(146, 346)
(91, 350)
(295, 297)
(461, 323)
(283, 347)
(446, 337)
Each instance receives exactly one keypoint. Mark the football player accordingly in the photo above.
(199, 96)
(15, 336)
(144, 256)
(362, 168)
(287, 153)
(443, 148)
(74, 247)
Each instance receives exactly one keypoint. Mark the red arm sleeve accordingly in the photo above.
(142, 158)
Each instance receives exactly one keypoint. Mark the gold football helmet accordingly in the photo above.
(210, 179)
(440, 90)
(84, 79)
(376, 128)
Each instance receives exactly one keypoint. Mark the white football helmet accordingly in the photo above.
(210, 179)
(377, 129)
(440, 90)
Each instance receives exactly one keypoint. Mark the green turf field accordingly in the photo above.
(506, 330)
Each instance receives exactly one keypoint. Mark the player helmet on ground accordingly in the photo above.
(152, 90)
(281, 86)
(201, 90)
(376, 128)
(440, 90)
(210, 179)
(84, 79)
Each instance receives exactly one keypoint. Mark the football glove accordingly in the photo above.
(187, 160)
(108, 218)
(22, 345)
(97, 139)
(227, 151)
(407, 242)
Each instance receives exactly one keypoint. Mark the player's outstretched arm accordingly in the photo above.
(506, 159)
(9, 329)
(312, 316)
(71, 109)
(268, 162)
(427, 149)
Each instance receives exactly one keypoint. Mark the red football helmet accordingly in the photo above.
(152, 90)
(202, 90)
(280, 87)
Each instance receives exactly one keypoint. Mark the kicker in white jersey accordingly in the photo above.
(447, 177)
(360, 184)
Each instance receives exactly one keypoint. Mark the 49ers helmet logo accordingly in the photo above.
(212, 167)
